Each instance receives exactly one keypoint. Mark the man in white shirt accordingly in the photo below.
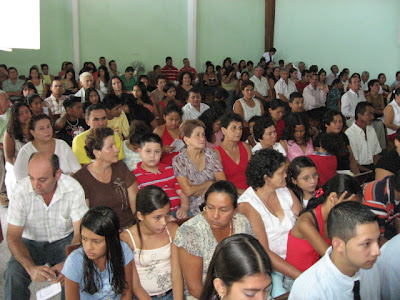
(347, 270)
(331, 77)
(362, 136)
(194, 108)
(300, 67)
(56, 99)
(314, 99)
(261, 85)
(44, 216)
(284, 86)
(86, 80)
(269, 56)
(350, 99)
(364, 81)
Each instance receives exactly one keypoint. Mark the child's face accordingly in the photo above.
(150, 154)
(94, 245)
(171, 93)
(251, 125)
(297, 105)
(157, 220)
(134, 147)
(161, 83)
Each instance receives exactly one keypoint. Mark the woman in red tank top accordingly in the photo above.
(169, 132)
(233, 153)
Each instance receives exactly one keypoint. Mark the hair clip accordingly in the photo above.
(319, 192)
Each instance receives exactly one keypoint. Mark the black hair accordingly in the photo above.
(32, 98)
(332, 67)
(330, 142)
(73, 79)
(110, 88)
(281, 61)
(361, 108)
(129, 69)
(93, 107)
(321, 71)
(14, 128)
(263, 162)
(395, 93)
(71, 101)
(292, 120)
(193, 90)
(168, 58)
(223, 186)
(234, 258)
(110, 62)
(209, 117)
(30, 86)
(155, 67)
(254, 119)
(314, 69)
(338, 184)
(150, 138)
(95, 140)
(246, 83)
(295, 95)
(294, 169)
(344, 218)
(33, 68)
(145, 97)
(276, 103)
(43, 65)
(221, 93)
(304, 72)
(328, 117)
(111, 101)
(169, 86)
(260, 125)
(249, 63)
(87, 94)
(103, 221)
(398, 134)
(173, 107)
(180, 78)
(159, 77)
(106, 73)
(272, 49)
(229, 117)
(138, 130)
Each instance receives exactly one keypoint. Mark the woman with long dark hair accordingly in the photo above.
(240, 269)
(102, 267)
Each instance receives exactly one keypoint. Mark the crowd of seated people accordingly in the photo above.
(261, 156)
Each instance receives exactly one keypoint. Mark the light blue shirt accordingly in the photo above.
(73, 270)
(389, 268)
(323, 280)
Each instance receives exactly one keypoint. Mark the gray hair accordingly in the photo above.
(84, 75)
(365, 73)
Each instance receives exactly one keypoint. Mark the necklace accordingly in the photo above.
(70, 124)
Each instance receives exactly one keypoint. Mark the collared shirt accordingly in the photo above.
(332, 99)
(313, 98)
(330, 78)
(285, 89)
(268, 57)
(128, 85)
(55, 106)
(191, 70)
(170, 72)
(13, 87)
(260, 85)
(350, 99)
(364, 85)
(324, 280)
(364, 145)
(44, 223)
(277, 146)
(190, 113)
(81, 93)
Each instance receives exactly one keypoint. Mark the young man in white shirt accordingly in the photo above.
(347, 270)
(285, 86)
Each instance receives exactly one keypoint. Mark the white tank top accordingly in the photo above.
(103, 87)
(396, 118)
(250, 112)
(154, 267)
(277, 231)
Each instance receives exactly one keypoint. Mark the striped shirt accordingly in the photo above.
(164, 178)
(170, 72)
(379, 196)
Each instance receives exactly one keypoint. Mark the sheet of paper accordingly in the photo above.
(179, 145)
(48, 292)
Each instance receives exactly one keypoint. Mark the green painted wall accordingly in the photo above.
(232, 28)
(55, 39)
(359, 34)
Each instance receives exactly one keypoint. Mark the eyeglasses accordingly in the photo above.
(308, 178)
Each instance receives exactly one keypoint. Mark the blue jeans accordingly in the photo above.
(17, 280)
(168, 296)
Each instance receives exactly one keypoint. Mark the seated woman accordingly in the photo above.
(212, 122)
(210, 80)
(335, 94)
(296, 138)
(196, 167)
(265, 135)
(37, 106)
(69, 83)
(332, 122)
(185, 85)
(197, 238)
(251, 276)
(156, 257)
(194, 108)
(308, 240)
(15, 138)
(392, 115)
(102, 267)
(141, 96)
(384, 89)
(91, 97)
(107, 180)
(276, 111)
(272, 209)
(243, 77)
(169, 132)
(102, 80)
(294, 75)
(234, 154)
(170, 93)
(229, 83)
(41, 139)
(273, 79)
(389, 163)
(322, 81)
(27, 89)
(35, 78)
(248, 106)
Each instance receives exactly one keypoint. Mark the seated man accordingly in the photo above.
(334, 75)
(383, 198)
(364, 81)
(261, 85)
(347, 269)
(350, 99)
(296, 102)
(284, 86)
(96, 117)
(128, 79)
(314, 99)
(56, 99)
(86, 80)
(187, 67)
(169, 71)
(249, 68)
(13, 85)
(363, 139)
(44, 216)
(389, 164)
(71, 123)
(305, 80)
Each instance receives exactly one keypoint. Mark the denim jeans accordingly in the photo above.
(17, 280)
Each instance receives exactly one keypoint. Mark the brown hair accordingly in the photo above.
(95, 140)
(187, 127)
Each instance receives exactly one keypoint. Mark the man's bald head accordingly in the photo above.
(47, 158)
